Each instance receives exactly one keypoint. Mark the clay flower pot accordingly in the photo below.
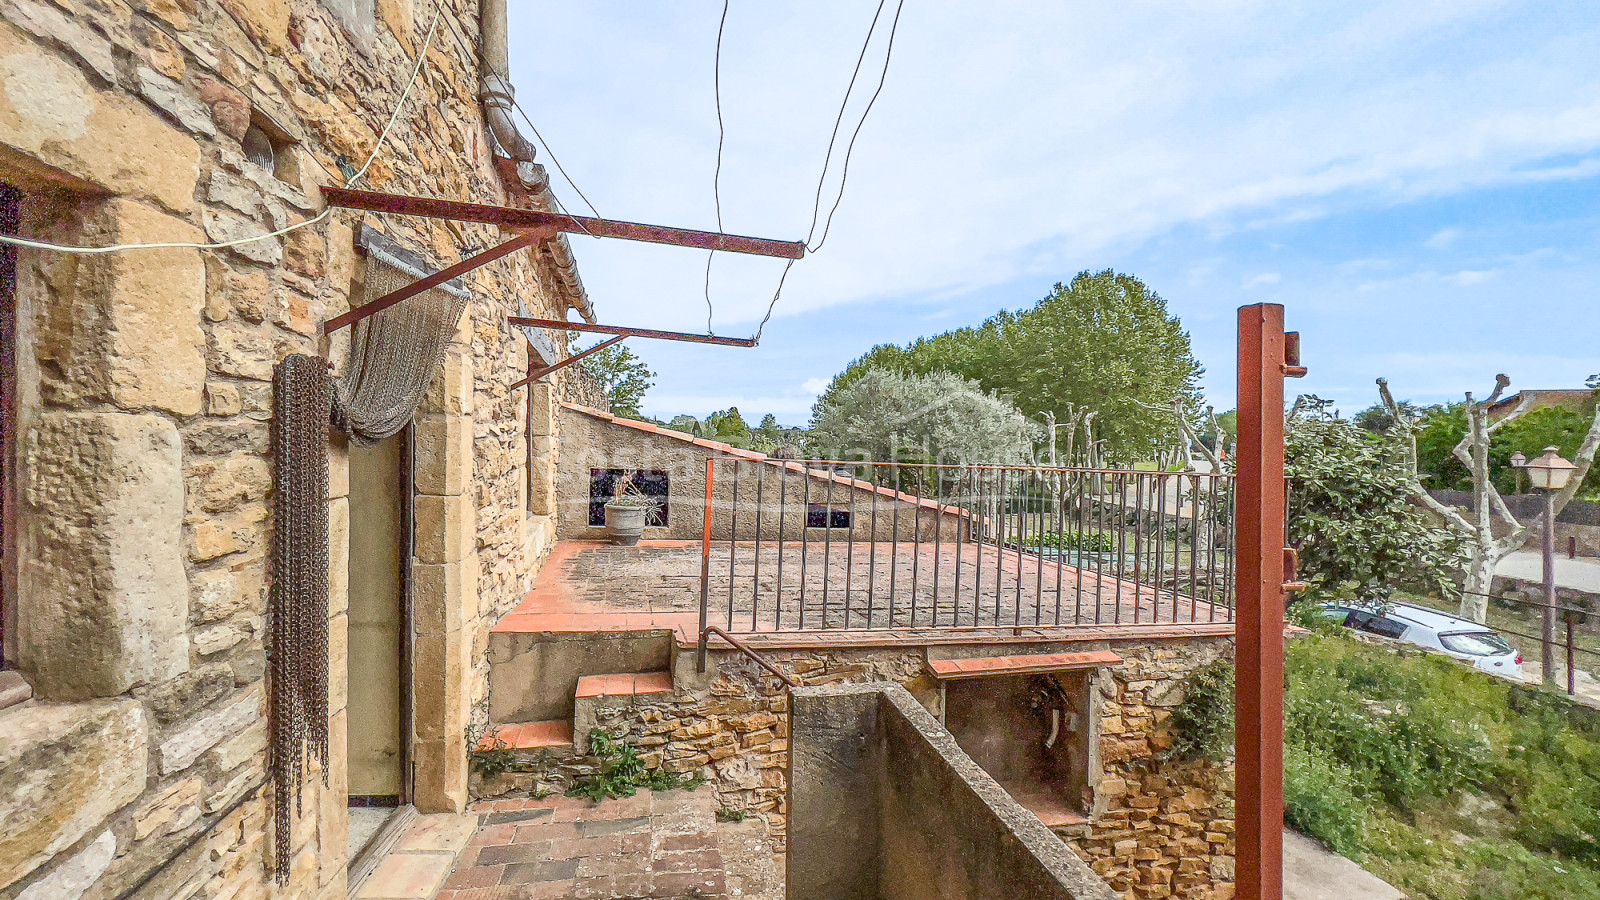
(625, 522)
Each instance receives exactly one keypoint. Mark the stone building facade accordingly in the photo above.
(139, 480)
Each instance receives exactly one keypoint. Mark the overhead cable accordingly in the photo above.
(716, 178)
(383, 136)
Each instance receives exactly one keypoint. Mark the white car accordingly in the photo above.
(1464, 639)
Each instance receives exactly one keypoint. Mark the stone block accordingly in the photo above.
(441, 781)
(222, 593)
(105, 599)
(339, 662)
(182, 747)
(63, 771)
(239, 749)
(73, 877)
(443, 454)
(339, 467)
(446, 528)
(266, 21)
(132, 331)
(50, 112)
(542, 410)
(444, 596)
(450, 392)
(338, 556)
(443, 667)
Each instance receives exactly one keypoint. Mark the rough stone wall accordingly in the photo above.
(147, 400)
(1157, 829)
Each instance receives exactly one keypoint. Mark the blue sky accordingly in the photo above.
(1415, 182)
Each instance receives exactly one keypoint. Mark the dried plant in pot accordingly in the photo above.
(627, 511)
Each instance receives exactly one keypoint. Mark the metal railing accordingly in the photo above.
(835, 546)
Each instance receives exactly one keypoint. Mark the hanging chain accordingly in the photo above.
(298, 643)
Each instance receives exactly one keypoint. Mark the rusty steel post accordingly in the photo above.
(1259, 625)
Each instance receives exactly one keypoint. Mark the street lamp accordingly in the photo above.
(1550, 474)
(1518, 461)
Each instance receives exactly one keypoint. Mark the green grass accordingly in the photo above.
(1439, 779)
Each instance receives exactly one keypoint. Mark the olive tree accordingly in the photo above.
(887, 416)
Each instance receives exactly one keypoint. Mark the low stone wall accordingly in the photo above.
(1156, 829)
(884, 804)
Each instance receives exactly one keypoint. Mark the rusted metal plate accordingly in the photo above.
(508, 217)
(523, 321)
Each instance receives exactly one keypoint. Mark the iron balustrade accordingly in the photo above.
(803, 546)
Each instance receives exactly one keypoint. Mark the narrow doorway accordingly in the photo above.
(378, 718)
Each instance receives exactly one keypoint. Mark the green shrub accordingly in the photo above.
(1322, 798)
(621, 772)
(1203, 723)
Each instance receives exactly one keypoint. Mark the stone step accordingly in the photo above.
(620, 689)
(627, 684)
(552, 734)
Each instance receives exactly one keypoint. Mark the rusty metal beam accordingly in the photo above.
(537, 374)
(508, 217)
(432, 281)
(1259, 539)
(635, 332)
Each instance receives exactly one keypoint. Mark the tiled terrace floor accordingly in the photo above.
(651, 845)
(842, 588)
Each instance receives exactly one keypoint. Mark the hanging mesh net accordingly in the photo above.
(393, 356)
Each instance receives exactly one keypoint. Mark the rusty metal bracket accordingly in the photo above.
(1291, 356)
(1291, 571)
(537, 374)
(506, 248)
(510, 217)
(633, 332)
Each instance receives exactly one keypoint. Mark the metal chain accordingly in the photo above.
(298, 640)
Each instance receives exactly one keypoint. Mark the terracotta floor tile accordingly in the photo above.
(407, 876)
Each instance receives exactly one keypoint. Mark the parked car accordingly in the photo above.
(1464, 639)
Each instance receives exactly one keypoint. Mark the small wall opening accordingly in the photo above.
(823, 515)
(652, 483)
(1031, 733)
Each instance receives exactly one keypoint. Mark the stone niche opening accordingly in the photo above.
(1005, 722)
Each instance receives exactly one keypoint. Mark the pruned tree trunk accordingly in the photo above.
(1484, 550)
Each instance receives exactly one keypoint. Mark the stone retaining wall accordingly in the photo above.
(1156, 830)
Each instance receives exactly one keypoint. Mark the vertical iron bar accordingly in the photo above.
(755, 580)
(777, 593)
(805, 536)
(1120, 482)
(1099, 556)
(979, 503)
(916, 545)
(1022, 536)
(827, 546)
(705, 573)
(1138, 544)
(1038, 558)
(1000, 545)
(1259, 635)
(1077, 548)
(894, 541)
(733, 538)
(938, 535)
(1161, 547)
(872, 553)
(962, 486)
(1211, 542)
(850, 548)
(1194, 546)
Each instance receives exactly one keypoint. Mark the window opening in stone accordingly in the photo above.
(821, 515)
(270, 147)
(1031, 732)
(650, 482)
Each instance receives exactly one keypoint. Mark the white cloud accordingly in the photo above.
(1056, 135)
(1470, 277)
(1442, 239)
(1262, 280)
(814, 386)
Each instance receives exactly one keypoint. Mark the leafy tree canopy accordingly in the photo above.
(624, 376)
(1104, 342)
(1351, 518)
(937, 417)
(1443, 426)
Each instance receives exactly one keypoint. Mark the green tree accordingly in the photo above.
(938, 417)
(727, 426)
(623, 375)
(1351, 517)
(1105, 342)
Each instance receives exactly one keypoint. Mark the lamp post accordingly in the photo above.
(1550, 474)
(1518, 462)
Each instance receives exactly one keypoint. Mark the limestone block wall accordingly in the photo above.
(1156, 829)
(145, 387)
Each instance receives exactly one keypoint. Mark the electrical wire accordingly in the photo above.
(844, 105)
(383, 137)
(716, 178)
(883, 76)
